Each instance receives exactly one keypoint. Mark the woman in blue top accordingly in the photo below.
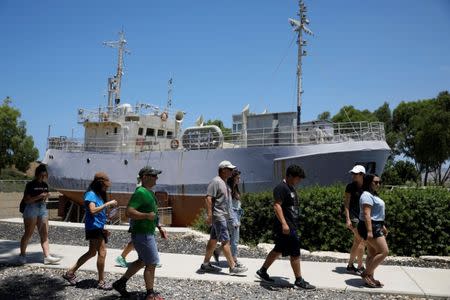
(371, 228)
(95, 201)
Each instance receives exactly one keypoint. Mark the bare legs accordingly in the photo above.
(96, 246)
(226, 251)
(377, 250)
(357, 250)
(30, 224)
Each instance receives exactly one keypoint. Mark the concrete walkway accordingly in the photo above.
(397, 279)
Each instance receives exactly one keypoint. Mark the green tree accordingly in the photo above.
(399, 173)
(16, 148)
(325, 116)
(225, 131)
(424, 134)
(350, 114)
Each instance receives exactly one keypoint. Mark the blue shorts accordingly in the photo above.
(145, 245)
(35, 210)
(219, 231)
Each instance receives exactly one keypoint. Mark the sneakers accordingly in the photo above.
(237, 270)
(121, 287)
(209, 268)
(102, 285)
(216, 255)
(71, 278)
(121, 262)
(264, 276)
(351, 269)
(360, 271)
(154, 296)
(22, 259)
(303, 284)
(51, 260)
(238, 264)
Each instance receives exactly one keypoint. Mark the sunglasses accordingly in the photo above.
(377, 182)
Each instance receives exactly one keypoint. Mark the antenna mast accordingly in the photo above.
(169, 94)
(300, 27)
(114, 83)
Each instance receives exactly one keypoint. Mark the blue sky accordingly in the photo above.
(222, 55)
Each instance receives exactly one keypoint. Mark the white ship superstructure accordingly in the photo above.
(120, 139)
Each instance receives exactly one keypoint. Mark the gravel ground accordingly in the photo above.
(27, 282)
(30, 282)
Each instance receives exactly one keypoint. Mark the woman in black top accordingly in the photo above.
(351, 203)
(35, 213)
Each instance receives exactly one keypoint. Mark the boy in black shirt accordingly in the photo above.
(287, 242)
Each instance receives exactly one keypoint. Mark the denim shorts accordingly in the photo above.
(35, 210)
(145, 245)
(377, 229)
(219, 231)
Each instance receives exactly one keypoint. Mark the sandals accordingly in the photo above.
(71, 278)
(102, 285)
(377, 282)
(369, 281)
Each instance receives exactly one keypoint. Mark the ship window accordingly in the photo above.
(169, 134)
(160, 133)
(140, 131)
(150, 132)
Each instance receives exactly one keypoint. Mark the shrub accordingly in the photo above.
(418, 220)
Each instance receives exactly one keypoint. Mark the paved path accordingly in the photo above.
(397, 279)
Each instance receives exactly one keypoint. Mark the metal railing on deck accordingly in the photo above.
(279, 136)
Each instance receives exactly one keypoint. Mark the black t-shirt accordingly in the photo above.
(355, 192)
(34, 188)
(289, 204)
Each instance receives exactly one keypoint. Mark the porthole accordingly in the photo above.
(88, 160)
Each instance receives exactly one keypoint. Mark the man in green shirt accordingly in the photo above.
(143, 211)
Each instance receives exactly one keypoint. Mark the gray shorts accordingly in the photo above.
(145, 245)
(35, 210)
(219, 231)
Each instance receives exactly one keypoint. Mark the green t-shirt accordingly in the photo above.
(144, 201)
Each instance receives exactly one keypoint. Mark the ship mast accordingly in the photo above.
(114, 83)
(300, 27)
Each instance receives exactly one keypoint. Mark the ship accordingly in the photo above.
(121, 138)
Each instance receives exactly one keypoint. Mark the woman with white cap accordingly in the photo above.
(353, 191)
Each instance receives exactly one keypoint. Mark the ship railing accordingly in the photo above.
(306, 134)
(278, 136)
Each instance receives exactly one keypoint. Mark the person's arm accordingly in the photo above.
(348, 222)
(208, 202)
(96, 209)
(367, 209)
(134, 214)
(280, 216)
(162, 231)
(42, 196)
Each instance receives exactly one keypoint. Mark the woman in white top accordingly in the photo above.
(371, 227)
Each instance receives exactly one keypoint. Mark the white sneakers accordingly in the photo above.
(51, 260)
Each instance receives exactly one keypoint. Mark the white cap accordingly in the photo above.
(358, 169)
(226, 165)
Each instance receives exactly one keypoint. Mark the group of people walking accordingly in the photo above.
(364, 211)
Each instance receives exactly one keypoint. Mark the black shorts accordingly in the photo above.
(287, 244)
(377, 229)
(96, 234)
